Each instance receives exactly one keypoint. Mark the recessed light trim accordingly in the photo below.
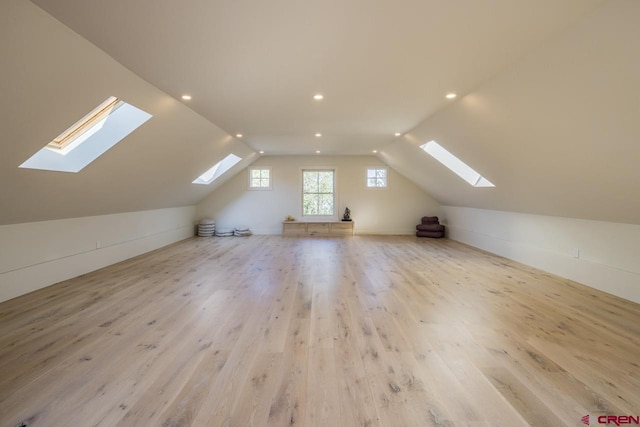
(186, 97)
(397, 134)
(375, 151)
(451, 95)
(261, 151)
(318, 135)
(238, 135)
(317, 151)
(318, 97)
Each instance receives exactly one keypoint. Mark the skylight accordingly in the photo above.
(88, 138)
(217, 170)
(455, 164)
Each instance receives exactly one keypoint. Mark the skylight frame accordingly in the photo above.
(81, 130)
(455, 165)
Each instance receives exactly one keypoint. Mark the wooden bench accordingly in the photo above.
(333, 228)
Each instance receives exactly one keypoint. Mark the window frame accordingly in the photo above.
(320, 217)
(386, 178)
(250, 178)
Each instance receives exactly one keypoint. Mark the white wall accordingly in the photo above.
(395, 210)
(38, 254)
(608, 252)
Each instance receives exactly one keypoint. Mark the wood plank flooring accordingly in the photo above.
(282, 331)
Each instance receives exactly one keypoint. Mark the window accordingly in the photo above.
(455, 164)
(318, 194)
(217, 170)
(260, 178)
(88, 138)
(377, 178)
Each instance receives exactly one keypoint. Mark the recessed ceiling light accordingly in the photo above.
(451, 95)
(397, 134)
(186, 97)
(261, 151)
(375, 151)
(318, 135)
(318, 97)
(317, 151)
(238, 135)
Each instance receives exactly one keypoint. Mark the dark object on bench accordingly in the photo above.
(430, 227)
(347, 214)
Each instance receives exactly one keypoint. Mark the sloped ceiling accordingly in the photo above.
(547, 106)
(51, 77)
(252, 66)
(558, 132)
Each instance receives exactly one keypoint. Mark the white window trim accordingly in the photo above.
(269, 188)
(320, 218)
(366, 178)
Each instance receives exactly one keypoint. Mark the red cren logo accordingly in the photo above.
(618, 420)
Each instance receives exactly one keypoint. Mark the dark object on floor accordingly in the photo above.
(433, 234)
(430, 227)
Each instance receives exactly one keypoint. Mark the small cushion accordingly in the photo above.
(430, 227)
(429, 220)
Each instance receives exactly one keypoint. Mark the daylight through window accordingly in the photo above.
(318, 192)
(456, 165)
(260, 179)
(377, 178)
(217, 170)
(88, 138)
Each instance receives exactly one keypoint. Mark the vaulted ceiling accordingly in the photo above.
(252, 67)
(547, 105)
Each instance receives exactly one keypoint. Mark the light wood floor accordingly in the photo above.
(362, 331)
